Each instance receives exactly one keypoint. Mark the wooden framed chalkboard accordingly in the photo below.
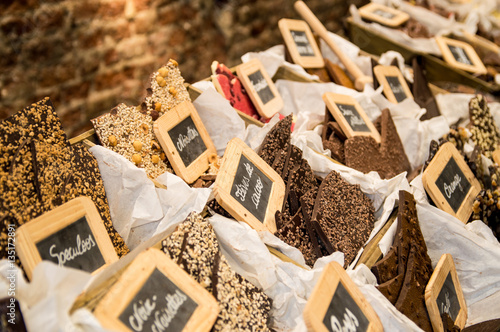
(71, 235)
(384, 15)
(460, 55)
(450, 183)
(185, 140)
(260, 88)
(395, 87)
(154, 293)
(351, 118)
(248, 188)
(336, 304)
(300, 43)
(443, 294)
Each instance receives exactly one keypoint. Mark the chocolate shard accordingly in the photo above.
(421, 92)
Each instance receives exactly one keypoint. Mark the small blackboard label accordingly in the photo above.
(158, 306)
(261, 87)
(343, 314)
(396, 88)
(303, 45)
(447, 300)
(453, 185)
(73, 246)
(460, 55)
(251, 188)
(353, 118)
(384, 14)
(187, 140)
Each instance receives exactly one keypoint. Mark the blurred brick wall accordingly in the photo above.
(89, 55)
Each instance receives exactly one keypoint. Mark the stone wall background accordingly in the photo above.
(90, 55)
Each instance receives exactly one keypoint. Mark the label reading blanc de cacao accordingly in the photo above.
(260, 85)
(453, 184)
(158, 306)
(73, 246)
(460, 55)
(187, 140)
(251, 188)
(303, 45)
(384, 14)
(353, 118)
(396, 88)
(343, 314)
(447, 300)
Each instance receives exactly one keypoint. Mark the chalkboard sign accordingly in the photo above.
(158, 303)
(443, 294)
(350, 116)
(260, 88)
(450, 183)
(337, 304)
(73, 246)
(154, 294)
(384, 15)
(185, 140)
(460, 55)
(395, 88)
(248, 188)
(300, 43)
(71, 235)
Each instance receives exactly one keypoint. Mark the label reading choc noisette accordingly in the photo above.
(158, 306)
(251, 188)
(453, 184)
(73, 246)
(187, 140)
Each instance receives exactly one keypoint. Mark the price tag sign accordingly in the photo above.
(154, 294)
(395, 87)
(248, 188)
(443, 295)
(71, 235)
(336, 304)
(450, 182)
(300, 43)
(260, 88)
(185, 140)
(460, 55)
(384, 15)
(351, 118)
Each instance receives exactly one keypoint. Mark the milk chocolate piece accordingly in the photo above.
(421, 92)
(391, 289)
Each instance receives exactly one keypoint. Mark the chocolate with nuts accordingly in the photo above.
(243, 307)
(485, 133)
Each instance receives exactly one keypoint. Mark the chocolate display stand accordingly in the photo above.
(71, 235)
(450, 183)
(336, 304)
(185, 140)
(384, 15)
(460, 55)
(300, 43)
(443, 295)
(395, 87)
(248, 188)
(351, 118)
(154, 291)
(260, 88)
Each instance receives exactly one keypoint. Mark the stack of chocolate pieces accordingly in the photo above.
(405, 270)
(39, 171)
(363, 153)
(243, 307)
(319, 216)
(485, 133)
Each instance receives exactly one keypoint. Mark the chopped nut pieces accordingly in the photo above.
(135, 139)
(243, 307)
(485, 133)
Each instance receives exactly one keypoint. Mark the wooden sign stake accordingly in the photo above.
(185, 140)
(395, 87)
(443, 294)
(72, 234)
(336, 304)
(450, 182)
(248, 188)
(360, 79)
